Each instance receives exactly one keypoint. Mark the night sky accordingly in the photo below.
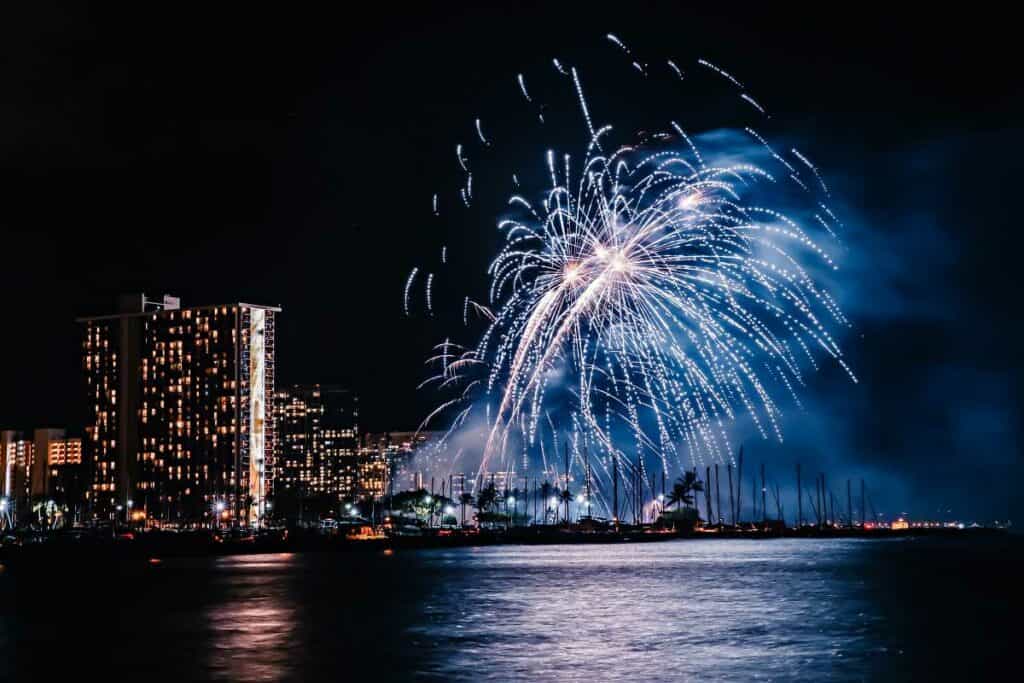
(229, 155)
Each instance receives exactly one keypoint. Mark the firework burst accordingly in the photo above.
(648, 296)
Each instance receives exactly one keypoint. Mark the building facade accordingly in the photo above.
(318, 442)
(179, 402)
(17, 457)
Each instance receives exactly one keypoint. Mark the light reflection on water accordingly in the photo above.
(732, 609)
(687, 610)
(253, 626)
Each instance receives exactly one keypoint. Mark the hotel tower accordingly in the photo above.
(180, 429)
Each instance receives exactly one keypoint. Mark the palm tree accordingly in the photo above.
(683, 490)
(487, 498)
(465, 499)
(566, 497)
(545, 494)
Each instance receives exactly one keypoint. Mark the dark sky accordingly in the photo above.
(289, 158)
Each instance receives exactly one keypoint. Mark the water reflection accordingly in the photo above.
(689, 610)
(252, 625)
(743, 609)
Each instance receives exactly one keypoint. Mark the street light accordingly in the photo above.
(219, 508)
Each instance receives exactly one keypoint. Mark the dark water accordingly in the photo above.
(923, 609)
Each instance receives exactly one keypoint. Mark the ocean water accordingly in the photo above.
(784, 609)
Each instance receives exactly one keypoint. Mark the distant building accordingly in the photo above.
(373, 475)
(397, 451)
(318, 441)
(17, 457)
(46, 467)
(178, 399)
(64, 475)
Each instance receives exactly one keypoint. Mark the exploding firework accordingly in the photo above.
(644, 300)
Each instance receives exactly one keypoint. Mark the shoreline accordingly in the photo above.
(152, 548)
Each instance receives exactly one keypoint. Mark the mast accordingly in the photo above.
(567, 480)
(753, 499)
(799, 500)
(863, 506)
(663, 487)
(707, 491)
(535, 496)
(718, 494)
(586, 455)
(732, 499)
(615, 487)
(739, 490)
(824, 499)
(817, 499)
(849, 506)
(764, 499)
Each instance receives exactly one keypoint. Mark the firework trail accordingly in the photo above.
(480, 134)
(522, 87)
(721, 72)
(408, 286)
(649, 296)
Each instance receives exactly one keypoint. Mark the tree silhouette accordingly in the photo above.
(683, 490)
(465, 499)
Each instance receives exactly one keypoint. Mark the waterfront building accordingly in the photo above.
(179, 419)
(318, 453)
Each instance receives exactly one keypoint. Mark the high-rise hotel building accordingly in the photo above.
(318, 441)
(179, 402)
